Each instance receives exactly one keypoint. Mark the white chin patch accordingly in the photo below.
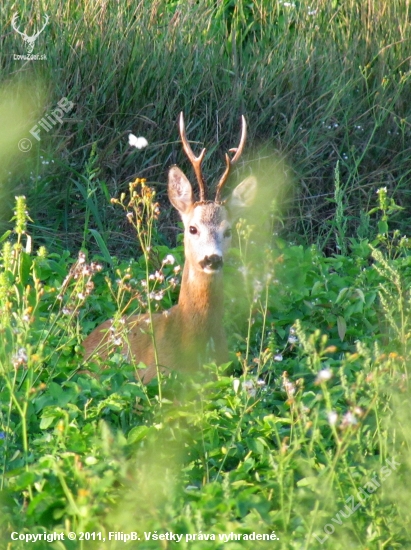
(211, 271)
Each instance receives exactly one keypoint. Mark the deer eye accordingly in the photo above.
(227, 233)
(193, 230)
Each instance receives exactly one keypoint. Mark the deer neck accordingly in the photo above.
(201, 296)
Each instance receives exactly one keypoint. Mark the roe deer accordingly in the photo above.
(191, 332)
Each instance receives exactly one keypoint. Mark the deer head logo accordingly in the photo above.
(29, 40)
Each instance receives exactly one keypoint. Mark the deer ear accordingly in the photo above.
(242, 196)
(180, 191)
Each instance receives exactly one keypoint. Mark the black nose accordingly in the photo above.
(212, 262)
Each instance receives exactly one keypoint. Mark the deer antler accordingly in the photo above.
(195, 161)
(229, 162)
(40, 31)
(13, 24)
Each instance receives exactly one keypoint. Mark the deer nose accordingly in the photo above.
(214, 262)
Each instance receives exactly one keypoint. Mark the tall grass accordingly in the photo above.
(322, 84)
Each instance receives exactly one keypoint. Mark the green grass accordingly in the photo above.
(316, 401)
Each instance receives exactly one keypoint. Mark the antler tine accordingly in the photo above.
(195, 161)
(229, 162)
(14, 23)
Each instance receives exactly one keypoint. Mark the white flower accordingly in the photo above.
(138, 142)
(332, 418)
(169, 260)
(278, 357)
(323, 376)
(349, 419)
(236, 385)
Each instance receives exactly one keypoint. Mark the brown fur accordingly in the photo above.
(199, 311)
(190, 333)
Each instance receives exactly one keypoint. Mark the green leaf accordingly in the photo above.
(382, 227)
(23, 480)
(342, 327)
(5, 236)
(102, 246)
(46, 422)
(137, 434)
(342, 295)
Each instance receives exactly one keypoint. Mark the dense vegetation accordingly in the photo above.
(303, 437)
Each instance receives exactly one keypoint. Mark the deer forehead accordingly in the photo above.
(210, 215)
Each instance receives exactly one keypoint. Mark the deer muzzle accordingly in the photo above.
(212, 263)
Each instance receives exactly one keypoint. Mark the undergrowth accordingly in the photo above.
(302, 437)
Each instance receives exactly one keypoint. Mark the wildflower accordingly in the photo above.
(278, 357)
(260, 383)
(173, 282)
(236, 385)
(138, 142)
(159, 277)
(20, 358)
(248, 386)
(349, 419)
(358, 411)
(169, 260)
(292, 339)
(323, 376)
(288, 386)
(21, 215)
(332, 418)
(258, 288)
(177, 269)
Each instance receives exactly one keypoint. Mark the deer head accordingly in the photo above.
(29, 40)
(207, 223)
